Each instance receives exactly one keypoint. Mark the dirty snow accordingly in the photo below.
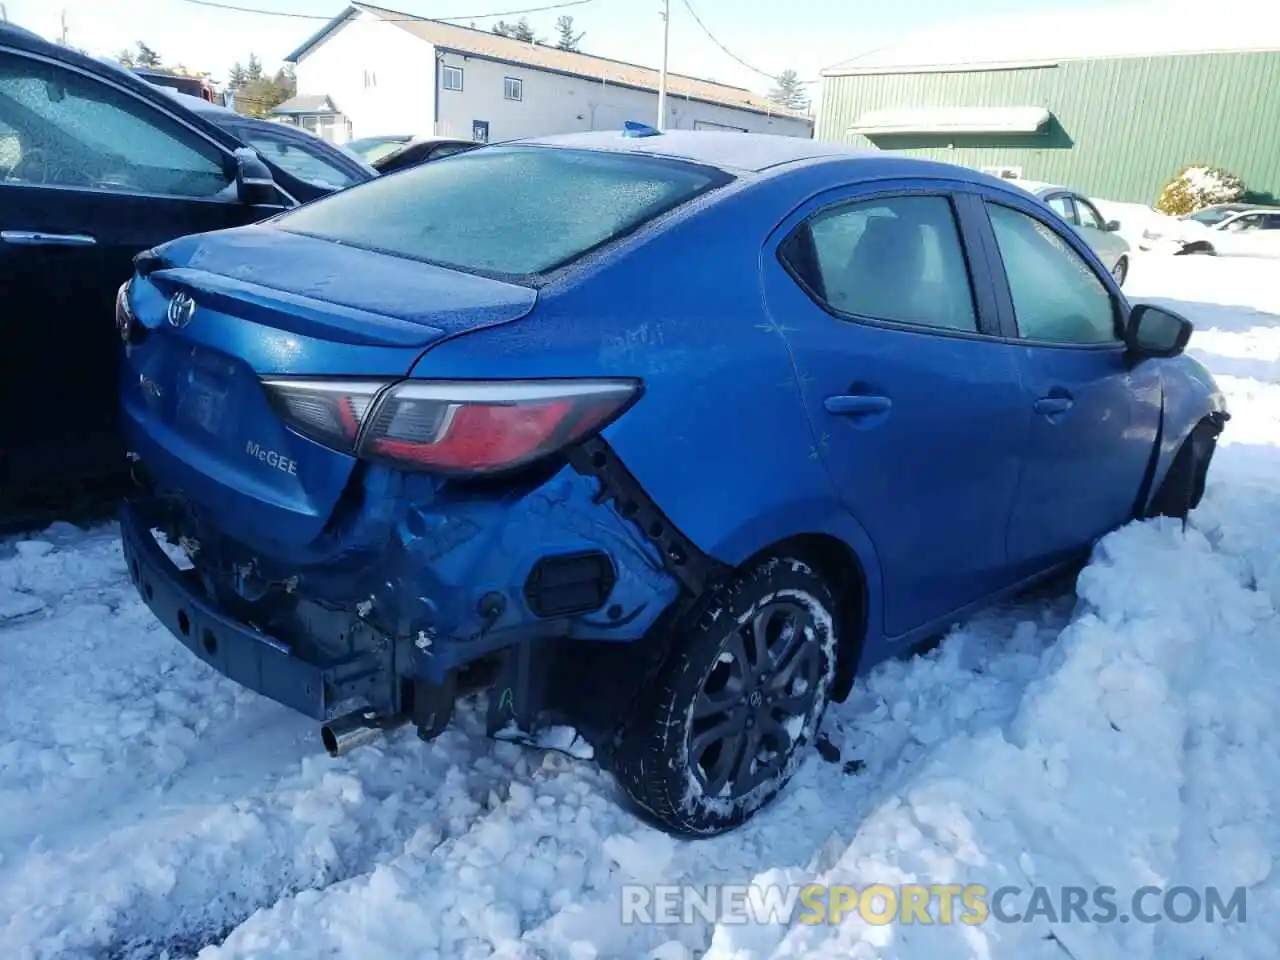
(1121, 734)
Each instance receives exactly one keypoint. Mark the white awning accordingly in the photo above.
(941, 120)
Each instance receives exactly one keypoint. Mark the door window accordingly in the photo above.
(74, 131)
(1056, 295)
(1061, 205)
(295, 156)
(1089, 216)
(1251, 221)
(449, 149)
(898, 259)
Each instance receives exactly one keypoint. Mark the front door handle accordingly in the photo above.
(857, 406)
(1052, 405)
(34, 238)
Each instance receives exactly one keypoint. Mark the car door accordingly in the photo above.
(1094, 416)
(1244, 236)
(95, 174)
(1269, 236)
(915, 402)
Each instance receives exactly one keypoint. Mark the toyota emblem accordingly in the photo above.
(181, 309)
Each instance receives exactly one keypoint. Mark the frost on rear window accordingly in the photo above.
(505, 210)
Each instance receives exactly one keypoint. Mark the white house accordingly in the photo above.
(371, 71)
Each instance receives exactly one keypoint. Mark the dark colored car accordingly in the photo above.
(419, 151)
(97, 165)
(372, 149)
(317, 165)
(672, 432)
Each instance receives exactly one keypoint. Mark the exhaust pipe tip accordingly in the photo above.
(343, 734)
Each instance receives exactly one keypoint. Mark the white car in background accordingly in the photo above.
(1224, 230)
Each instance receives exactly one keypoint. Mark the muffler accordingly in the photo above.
(342, 735)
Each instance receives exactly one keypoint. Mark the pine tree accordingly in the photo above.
(568, 40)
(125, 57)
(516, 31)
(788, 91)
(237, 77)
(146, 57)
(254, 70)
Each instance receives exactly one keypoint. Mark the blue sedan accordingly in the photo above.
(663, 437)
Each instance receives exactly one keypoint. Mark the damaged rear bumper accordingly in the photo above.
(417, 585)
(240, 652)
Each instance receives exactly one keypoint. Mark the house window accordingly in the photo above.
(452, 78)
(512, 89)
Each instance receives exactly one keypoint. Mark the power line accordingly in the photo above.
(406, 19)
(727, 52)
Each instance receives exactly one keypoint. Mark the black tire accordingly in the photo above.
(1183, 486)
(1198, 248)
(712, 668)
(1121, 271)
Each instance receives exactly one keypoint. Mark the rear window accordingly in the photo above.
(512, 211)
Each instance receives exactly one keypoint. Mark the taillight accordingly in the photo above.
(452, 427)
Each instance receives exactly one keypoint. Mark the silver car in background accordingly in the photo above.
(1080, 212)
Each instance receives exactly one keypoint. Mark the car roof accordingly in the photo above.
(1037, 188)
(1243, 207)
(728, 151)
(196, 104)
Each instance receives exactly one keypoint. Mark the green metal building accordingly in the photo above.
(1110, 102)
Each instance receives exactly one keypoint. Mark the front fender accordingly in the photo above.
(1189, 396)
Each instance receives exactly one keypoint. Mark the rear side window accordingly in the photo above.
(898, 259)
(511, 211)
(1062, 206)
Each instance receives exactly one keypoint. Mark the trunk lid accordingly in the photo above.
(265, 303)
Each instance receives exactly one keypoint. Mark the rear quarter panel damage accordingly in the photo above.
(719, 440)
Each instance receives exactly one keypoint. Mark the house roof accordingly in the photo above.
(1150, 28)
(483, 43)
(306, 103)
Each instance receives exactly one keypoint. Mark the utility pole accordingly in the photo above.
(662, 76)
(4, 13)
(63, 38)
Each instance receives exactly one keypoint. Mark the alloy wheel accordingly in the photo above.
(755, 701)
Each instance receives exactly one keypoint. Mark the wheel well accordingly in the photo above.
(1198, 246)
(839, 567)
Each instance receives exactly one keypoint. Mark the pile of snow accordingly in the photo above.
(1118, 734)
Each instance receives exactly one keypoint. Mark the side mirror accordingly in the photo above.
(1113, 226)
(255, 185)
(1156, 332)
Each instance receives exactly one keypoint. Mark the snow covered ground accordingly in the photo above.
(1123, 735)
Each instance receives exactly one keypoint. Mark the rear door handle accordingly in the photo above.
(1052, 405)
(857, 406)
(33, 238)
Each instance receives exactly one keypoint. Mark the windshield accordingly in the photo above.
(375, 148)
(511, 211)
(1212, 215)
